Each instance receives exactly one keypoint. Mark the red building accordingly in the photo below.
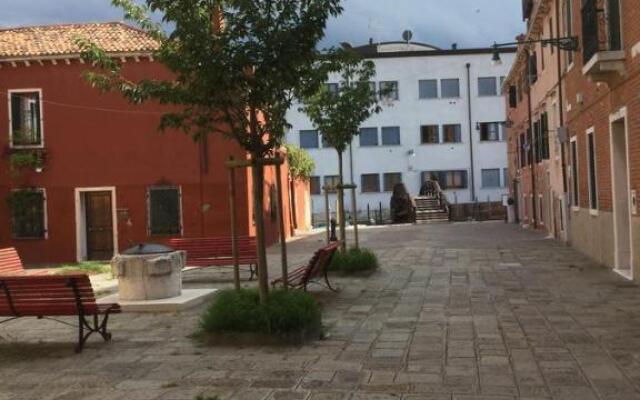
(86, 174)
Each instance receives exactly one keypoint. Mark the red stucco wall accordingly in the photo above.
(88, 144)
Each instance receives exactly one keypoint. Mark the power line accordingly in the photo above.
(101, 109)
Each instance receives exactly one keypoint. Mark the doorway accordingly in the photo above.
(621, 195)
(96, 224)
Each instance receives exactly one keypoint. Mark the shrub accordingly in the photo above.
(354, 260)
(286, 313)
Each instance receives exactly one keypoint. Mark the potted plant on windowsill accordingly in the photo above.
(21, 159)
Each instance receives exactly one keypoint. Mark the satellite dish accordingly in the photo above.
(407, 36)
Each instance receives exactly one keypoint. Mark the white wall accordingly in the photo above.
(409, 113)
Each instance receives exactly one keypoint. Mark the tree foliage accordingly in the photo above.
(338, 114)
(235, 64)
(235, 67)
(301, 165)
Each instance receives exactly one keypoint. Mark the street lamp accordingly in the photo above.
(569, 43)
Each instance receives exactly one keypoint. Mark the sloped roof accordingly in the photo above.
(60, 40)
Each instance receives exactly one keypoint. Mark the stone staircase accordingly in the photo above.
(428, 209)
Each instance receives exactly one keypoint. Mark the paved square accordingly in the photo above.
(460, 311)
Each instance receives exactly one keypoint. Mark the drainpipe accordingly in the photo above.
(564, 205)
(473, 180)
(533, 155)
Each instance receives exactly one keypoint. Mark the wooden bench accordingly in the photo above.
(216, 251)
(10, 262)
(55, 296)
(318, 266)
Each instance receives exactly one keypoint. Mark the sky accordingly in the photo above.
(469, 23)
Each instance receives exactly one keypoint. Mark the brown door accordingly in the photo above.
(99, 225)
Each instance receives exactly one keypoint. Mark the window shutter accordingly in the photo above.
(16, 117)
(513, 97)
(463, 179)
(38, 127)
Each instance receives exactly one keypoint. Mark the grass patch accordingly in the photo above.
(88, 267)
(354, 261)
(287, 314)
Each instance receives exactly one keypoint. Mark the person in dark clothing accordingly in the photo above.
(403, 208)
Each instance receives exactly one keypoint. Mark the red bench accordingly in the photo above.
(10, 262)
(55, 296)
(317, 267)
(216, 251)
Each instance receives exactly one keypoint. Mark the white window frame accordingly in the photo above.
(592, 211)
(45, 215)
(33, 146)
(575, 200)
(165, 187)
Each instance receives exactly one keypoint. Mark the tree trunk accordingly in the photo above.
(258, 202)
(343, 226)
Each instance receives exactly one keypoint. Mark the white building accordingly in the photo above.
(446, 119)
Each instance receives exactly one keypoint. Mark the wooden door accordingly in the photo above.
(99, 223)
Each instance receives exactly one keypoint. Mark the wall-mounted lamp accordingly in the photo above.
(564, 43)
(411, 153)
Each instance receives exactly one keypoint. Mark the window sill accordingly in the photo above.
(594, 212)
(27, 147)
(29, 239)
(575, 209)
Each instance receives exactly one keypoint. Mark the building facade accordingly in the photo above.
(87, 174)
(599, 104)
(444, 117)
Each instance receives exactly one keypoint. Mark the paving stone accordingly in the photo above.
(448, 316)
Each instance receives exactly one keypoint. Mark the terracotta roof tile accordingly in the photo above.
(59, 40)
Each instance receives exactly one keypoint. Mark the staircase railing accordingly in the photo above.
(444, 202)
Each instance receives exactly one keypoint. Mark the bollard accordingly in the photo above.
(333, 237)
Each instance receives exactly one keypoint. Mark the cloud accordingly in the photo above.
(470, 23)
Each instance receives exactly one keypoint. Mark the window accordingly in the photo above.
(543, 138)
(314, 184)
(591, 159)
(490, 131)
(25, 118)
(390, 90)
(533, 68)
(487, 86)
(513, 96)
(28, 214)
(452, 133)
(390, 180)
(332, 88)
(370, 183)
(447, 179)
(429, 134)
(450, 88)
(491, 178)
(309, 139)
(391, 136)
(368, 137)
(428, 89)
(568, 21)
(574, 173)
(164, 211)
(331, 182)
(524, 150)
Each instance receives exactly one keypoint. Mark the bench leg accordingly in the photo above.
(326, 279)
(98, 326)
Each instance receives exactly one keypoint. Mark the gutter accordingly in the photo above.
(473, 179)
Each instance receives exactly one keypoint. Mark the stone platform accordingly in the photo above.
(188, 299)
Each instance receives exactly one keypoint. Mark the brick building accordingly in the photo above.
(593, 123)
(86, 174)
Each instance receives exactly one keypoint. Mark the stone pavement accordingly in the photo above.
(459, 311)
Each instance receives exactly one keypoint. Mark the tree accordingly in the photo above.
(338, 113)
(301, 165)
(235, 67)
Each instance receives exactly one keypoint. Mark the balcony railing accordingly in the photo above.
(600, 27)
